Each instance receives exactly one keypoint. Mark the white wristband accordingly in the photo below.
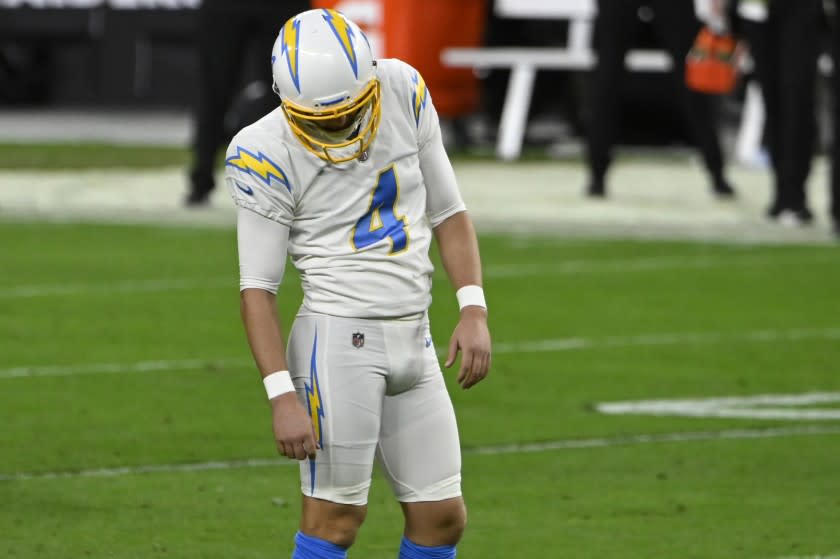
(471, 295)
(278, 383)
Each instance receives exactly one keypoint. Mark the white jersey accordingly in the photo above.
(359, 232)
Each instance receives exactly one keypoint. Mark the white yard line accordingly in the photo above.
(120, 368)
(535, 346)
(566, 267)
(794, 407)
(646, 264)
(666, 339)
(127, 286)
(584, 266)
(492, 450)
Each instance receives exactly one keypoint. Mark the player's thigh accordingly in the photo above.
(342, 388)
(419, 448)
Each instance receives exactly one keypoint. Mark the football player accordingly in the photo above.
(349, 177)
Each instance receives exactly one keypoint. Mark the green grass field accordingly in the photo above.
(86, 155)
(122, 358)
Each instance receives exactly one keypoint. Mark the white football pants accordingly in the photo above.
(374, 388)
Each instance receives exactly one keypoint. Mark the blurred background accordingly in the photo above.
(658, 214)
(512, 80)
(98, 57)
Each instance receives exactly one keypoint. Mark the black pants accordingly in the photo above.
(676, 25)
(785, 50)
(835, 151)
(226, 29)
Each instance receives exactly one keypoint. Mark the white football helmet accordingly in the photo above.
(325, 75)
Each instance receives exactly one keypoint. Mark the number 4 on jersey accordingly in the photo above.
(380, 221)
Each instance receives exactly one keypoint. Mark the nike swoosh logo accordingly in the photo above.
(247, 189)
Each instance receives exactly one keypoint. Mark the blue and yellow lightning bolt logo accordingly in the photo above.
(316, 407)
(345, 35)
(258, 165)
(419, 97)
(290, 37)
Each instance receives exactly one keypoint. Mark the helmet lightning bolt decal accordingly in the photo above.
(316, 407)
(419, 97)
(344, 33)
(258, 165)
(290, 36)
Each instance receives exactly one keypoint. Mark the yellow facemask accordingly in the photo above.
(362, 115)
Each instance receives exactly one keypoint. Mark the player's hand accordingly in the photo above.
(293, 430)
(472, 338)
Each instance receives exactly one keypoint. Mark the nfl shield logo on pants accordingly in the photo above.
(358, 340)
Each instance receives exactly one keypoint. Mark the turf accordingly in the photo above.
(96, 155)
(73, 295)
(86, 155)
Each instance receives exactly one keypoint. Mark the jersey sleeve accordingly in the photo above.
(443, 199)
(262, 245)
(422, 109)
(258, 182)
(442, 196)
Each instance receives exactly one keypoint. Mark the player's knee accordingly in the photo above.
(333, 522)
(434, 524)
(453, 522)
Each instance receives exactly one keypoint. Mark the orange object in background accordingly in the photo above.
(367, 14)
(710, 66)
(416, 31)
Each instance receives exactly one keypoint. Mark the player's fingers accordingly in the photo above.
(485, 365)
(470, 378)
(453, 352)
(281, 448)
(307, 449)
(310, 445)
(478, 370)
(298, 451)
(484, 368)
(466, 367)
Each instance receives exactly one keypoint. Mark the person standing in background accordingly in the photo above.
(784, 40)
(676, 25)
(226, 29)
(831, 8)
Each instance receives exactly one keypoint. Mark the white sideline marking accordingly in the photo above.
(643, 264)
(566, 344)
(537, 346)
(138, 367)
(568, 267)
(129, 286)
(735, 407)
(495, 450)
